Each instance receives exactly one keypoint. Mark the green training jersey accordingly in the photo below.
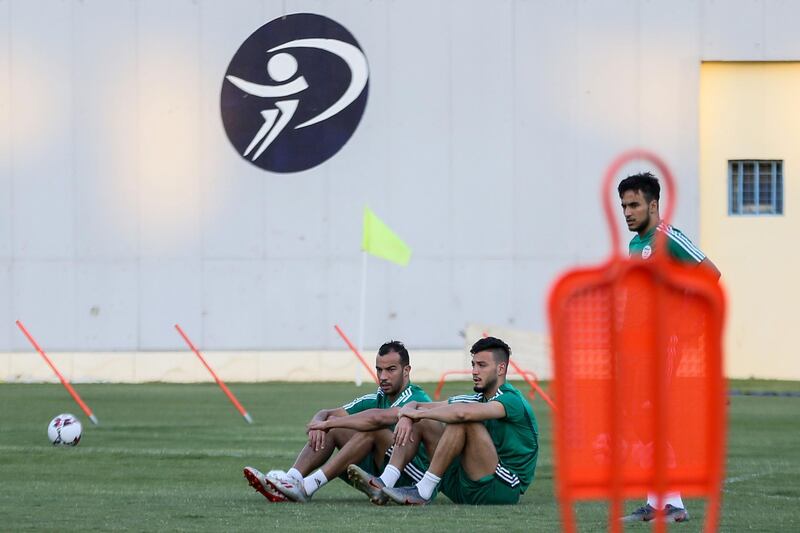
(378, 400)
(678, 245)
(515, 436)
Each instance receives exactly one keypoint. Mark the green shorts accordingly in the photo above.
(488, 490)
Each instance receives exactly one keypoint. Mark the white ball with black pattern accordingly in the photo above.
(64, 430)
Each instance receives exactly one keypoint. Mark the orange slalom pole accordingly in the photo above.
(64, 382)
(536, 388)
(355, 351)
(440, 386)
(221, 383)
(533, 384)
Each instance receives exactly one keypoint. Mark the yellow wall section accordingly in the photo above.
(751, 110)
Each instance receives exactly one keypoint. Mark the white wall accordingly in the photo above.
(124, 209)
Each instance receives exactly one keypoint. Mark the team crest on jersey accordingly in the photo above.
(647, 252)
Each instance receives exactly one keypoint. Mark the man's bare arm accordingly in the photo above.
(421, 405)
(325, 414)
(403, 431)
(316, 438)
(368, 420)
(460, 412)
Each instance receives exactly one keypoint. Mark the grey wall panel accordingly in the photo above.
(418, 126)
(780, 38)
(532, 281)
(343, 292)
(170, 292)
(545, 97)
(7, 327)
(669, 90)
(351, 186)
(105, 304)
(235, 304)
(295, 303)
(6, 136)
(302, 6)
(233, 192)
(169, 197)
(42, 161)
(295, 214)
(359, 173)
(607, 104)
(44, 295)
(733, 30)
(234, 213)
(482, 118)
(124, 209)
(421, 303)
(483, 291)
(104, 129)
(7, 133)
(342, 297)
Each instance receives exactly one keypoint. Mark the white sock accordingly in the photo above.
(295, 473)
(390, 476)
(314, 482)
(427, 484)
(670, 498)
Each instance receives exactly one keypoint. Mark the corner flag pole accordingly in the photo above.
(221, 383)
(63, 380)
(378, 240)
(356, 352)
(362, 313)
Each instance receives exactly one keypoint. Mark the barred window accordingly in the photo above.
(756, 187)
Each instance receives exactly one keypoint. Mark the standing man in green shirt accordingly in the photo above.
(639, 195)
(316, 464)
(488, 451)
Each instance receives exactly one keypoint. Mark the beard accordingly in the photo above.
(392, 390)
(645, 222)
(486, 384)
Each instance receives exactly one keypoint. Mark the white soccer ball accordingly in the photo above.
(65, 430)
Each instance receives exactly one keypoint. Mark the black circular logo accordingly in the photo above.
(294, 92)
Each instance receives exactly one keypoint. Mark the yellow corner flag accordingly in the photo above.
(379, 240)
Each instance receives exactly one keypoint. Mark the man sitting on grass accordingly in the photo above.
(407, 463)
(488, 451)
(365, 440)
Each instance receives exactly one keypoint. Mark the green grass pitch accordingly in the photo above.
(169, 457)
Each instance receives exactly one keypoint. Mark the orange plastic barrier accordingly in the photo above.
(638, 378)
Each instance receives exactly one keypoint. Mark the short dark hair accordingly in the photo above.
(500, 350)
(645, 182)
(397, 347)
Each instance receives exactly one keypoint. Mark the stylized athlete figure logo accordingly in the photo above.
(282, 67)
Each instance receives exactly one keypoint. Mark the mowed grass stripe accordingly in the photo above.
(169, 457)
(153, 452)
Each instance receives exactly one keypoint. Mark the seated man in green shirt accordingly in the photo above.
(316, 464)
(488, 451)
